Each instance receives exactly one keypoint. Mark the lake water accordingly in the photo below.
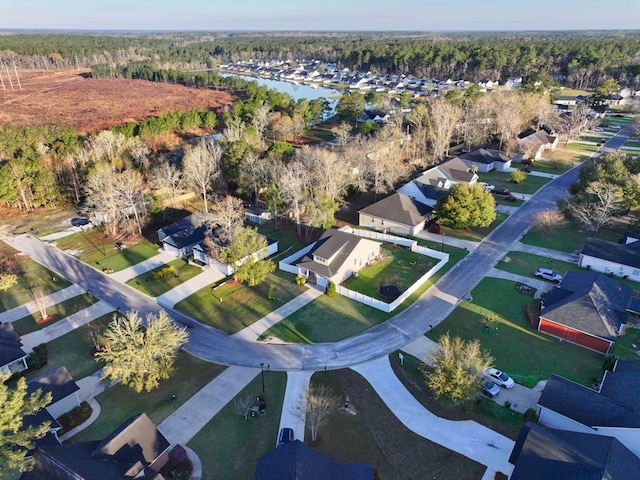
(296, 90)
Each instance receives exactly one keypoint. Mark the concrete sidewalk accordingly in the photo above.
(209, 276)
(422, 348)
(65, 325)
(147, 265)
(547, 253)
(448, 240)
(253, 331)
(297, 386)
(21, 311)
(468, 438)
(183, 424)
(91, 386)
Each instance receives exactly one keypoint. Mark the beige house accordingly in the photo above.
(398, 214)
(535, 144)
(336, 256)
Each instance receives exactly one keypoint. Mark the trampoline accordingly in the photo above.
(389, 291)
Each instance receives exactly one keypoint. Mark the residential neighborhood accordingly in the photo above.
(441, 281)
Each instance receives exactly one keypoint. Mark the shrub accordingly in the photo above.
(301, 280)
(38, 358)
(531, 415)
(272, 293)
(609, 362)
(331, 289)
(164, 272)
(507, 404)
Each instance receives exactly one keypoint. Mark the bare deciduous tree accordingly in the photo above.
(226, 215)
(201, 167)
(547, 220)
(342, 133)
(168, 179)
(243, 405)
(597, 207)
(260, 119)
(443, 120)
(315, 406)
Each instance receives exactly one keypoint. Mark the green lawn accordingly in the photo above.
(524, 353)
(503, 180)
(582, 147)
(475, 234)
(624, 346)
(155, 287)
(38, 277)
(100, 252)
(118, 403)
(526, 264)
(229, 446)
(561, 159)
(569, 237)
(329, 319)
(398, 266)
(288, 243)
(232, 307)
(75, 350)
(59, 311)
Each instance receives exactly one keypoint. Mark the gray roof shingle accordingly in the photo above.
(613, 252)
(399, 208)
(10, 345)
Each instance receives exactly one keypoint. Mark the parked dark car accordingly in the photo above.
(80, 222)
(500, 191)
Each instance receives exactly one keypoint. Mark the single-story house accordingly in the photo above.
(486, 160)
(298, 461)
(375, 116)
(621, 259)
(550, 454)
(336, 256)
(13, 358)
(136, 449)
(201, 254)
(588, 309)
(534, 144)
(63, 388)
(397, 213)
(436, 182)
(612, 410)
(180, 237)
(257, 215)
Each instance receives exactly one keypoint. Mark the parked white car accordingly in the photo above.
(548, 274)
(498, 377)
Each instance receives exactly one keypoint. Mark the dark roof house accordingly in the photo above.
(136, 449)
(12, 356)
(586, 308)
(613, 409)
(396, 213)
(59, 382)
(298, 461)
(180, 237)
(552, 454)
(621, 259)
(486, 160)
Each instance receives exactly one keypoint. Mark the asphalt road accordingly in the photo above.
(429, 310)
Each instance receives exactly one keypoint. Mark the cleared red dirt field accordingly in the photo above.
(67, 98)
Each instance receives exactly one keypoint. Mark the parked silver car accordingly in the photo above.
(548, 274)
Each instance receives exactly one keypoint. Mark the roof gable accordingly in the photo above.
(399, 208)
(540, 452)
(590, 302)
(299, 461)
(485, 156)
(624, 254)
(10, 345)
(58, 381)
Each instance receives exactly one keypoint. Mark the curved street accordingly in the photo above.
(429, 310)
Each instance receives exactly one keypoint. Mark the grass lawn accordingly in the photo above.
(487, 412)
(475, 234)
(232, 307)
(288, 242)
(118, 403)
(398, 266)
(569, 237)
(582, 147)
(75, 350)
(156, 287)
(40, 278)
(329, 319)
(526, 264)
(624, 346)
(502, 200)
(503, 180)
(59, 311)
(560, 159)
(229, 446)
(94, 248)
(526, 354)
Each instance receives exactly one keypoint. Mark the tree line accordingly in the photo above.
(582, 58)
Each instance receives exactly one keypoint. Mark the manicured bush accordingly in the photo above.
(301, 280)
(531, 415)
(331, 289)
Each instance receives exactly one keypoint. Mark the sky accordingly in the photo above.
(314, 15)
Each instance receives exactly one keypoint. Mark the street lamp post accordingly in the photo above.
(262, 375)
(442, 246)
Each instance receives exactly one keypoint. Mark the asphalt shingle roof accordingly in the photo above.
(399, 208)
(590, 302)
(58, 381)
(617, 404)
(331, 242)
(562, 455)
(485, 156)
(10, 345)
(613, 252)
